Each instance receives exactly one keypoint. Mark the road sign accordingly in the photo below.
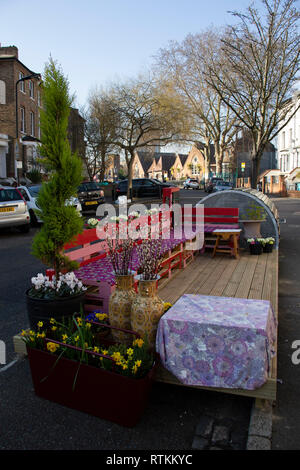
(243, 165)
(19, 164)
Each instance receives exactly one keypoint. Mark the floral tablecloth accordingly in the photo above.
(218, 342)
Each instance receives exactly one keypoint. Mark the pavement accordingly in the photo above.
(177, 418)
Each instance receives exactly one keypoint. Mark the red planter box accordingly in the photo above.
(98, 392)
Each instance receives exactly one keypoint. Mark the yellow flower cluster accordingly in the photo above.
(167, 305)
(52, 347)
(137, 364)
(101, 316)
(138, 342)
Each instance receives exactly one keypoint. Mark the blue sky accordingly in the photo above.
(98, 41)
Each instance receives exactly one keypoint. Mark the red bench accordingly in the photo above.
(213, 218)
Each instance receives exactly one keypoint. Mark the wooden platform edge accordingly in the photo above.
(266, 392)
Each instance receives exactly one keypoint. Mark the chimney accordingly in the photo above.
(9, 51)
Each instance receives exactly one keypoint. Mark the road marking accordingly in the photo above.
(10, 364)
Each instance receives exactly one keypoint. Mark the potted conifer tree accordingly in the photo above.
(63, 294)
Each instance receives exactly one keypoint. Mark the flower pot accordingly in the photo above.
(146, 311)
(119, 307)
(98, 392)
(255, 249)
(268, 248)
(252, 228)
(44, 309)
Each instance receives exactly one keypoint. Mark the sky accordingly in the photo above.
(100, 41)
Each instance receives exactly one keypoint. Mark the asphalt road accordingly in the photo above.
(30, 423)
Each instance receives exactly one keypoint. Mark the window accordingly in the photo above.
(283, 140)
(24, 194)
(22, 122)
(31, 89)
(39, 127)
(195, 167)
(31, 123)
(8, 195)
(22, 84)
(2, 92)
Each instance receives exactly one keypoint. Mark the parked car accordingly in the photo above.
(90, 195)
(223, 186)
(141, 187)
(191, 183)
(209, 187)
(13, 209)
(30, 194)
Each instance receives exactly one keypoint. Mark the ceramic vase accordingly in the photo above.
(146, 311)
(119, 307)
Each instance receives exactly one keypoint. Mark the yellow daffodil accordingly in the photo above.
(104, 352)
(88, 325)
(52, 321)
(40, 324)
(54, 328)
(64, 337)
(129, 351)
(76, 338)
(52, 347)
(79, 321)
(138, 342)
(96, 349)
(138, 363)
(40, 335)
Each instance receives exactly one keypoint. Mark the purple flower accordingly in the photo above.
(223, 366)
(202, 366)
(188, 362)
(238, 348)
(215, 344)
(179, 328)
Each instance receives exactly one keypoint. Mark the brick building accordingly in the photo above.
(21, 130)
(20, 106)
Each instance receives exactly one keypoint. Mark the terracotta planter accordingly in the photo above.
(119, 307)
(252, 228)
(44, 309)
(146, 311)
(98, 392)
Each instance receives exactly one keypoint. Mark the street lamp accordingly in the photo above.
(27, 77)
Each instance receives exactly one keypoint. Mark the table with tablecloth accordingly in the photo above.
(220, 342)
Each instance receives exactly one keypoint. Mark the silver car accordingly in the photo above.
(13, 209)
(191, 183)
(223, 186)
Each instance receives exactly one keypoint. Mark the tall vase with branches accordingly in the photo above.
(120, 252)
(147, 308)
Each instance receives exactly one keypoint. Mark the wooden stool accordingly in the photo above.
(227, 234)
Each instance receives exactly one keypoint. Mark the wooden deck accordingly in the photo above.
(250, 276)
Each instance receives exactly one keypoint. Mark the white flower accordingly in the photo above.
(93, 222)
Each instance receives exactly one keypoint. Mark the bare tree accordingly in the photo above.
(185, 65)
(146, 115)
(100, 128)
(256, 70)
